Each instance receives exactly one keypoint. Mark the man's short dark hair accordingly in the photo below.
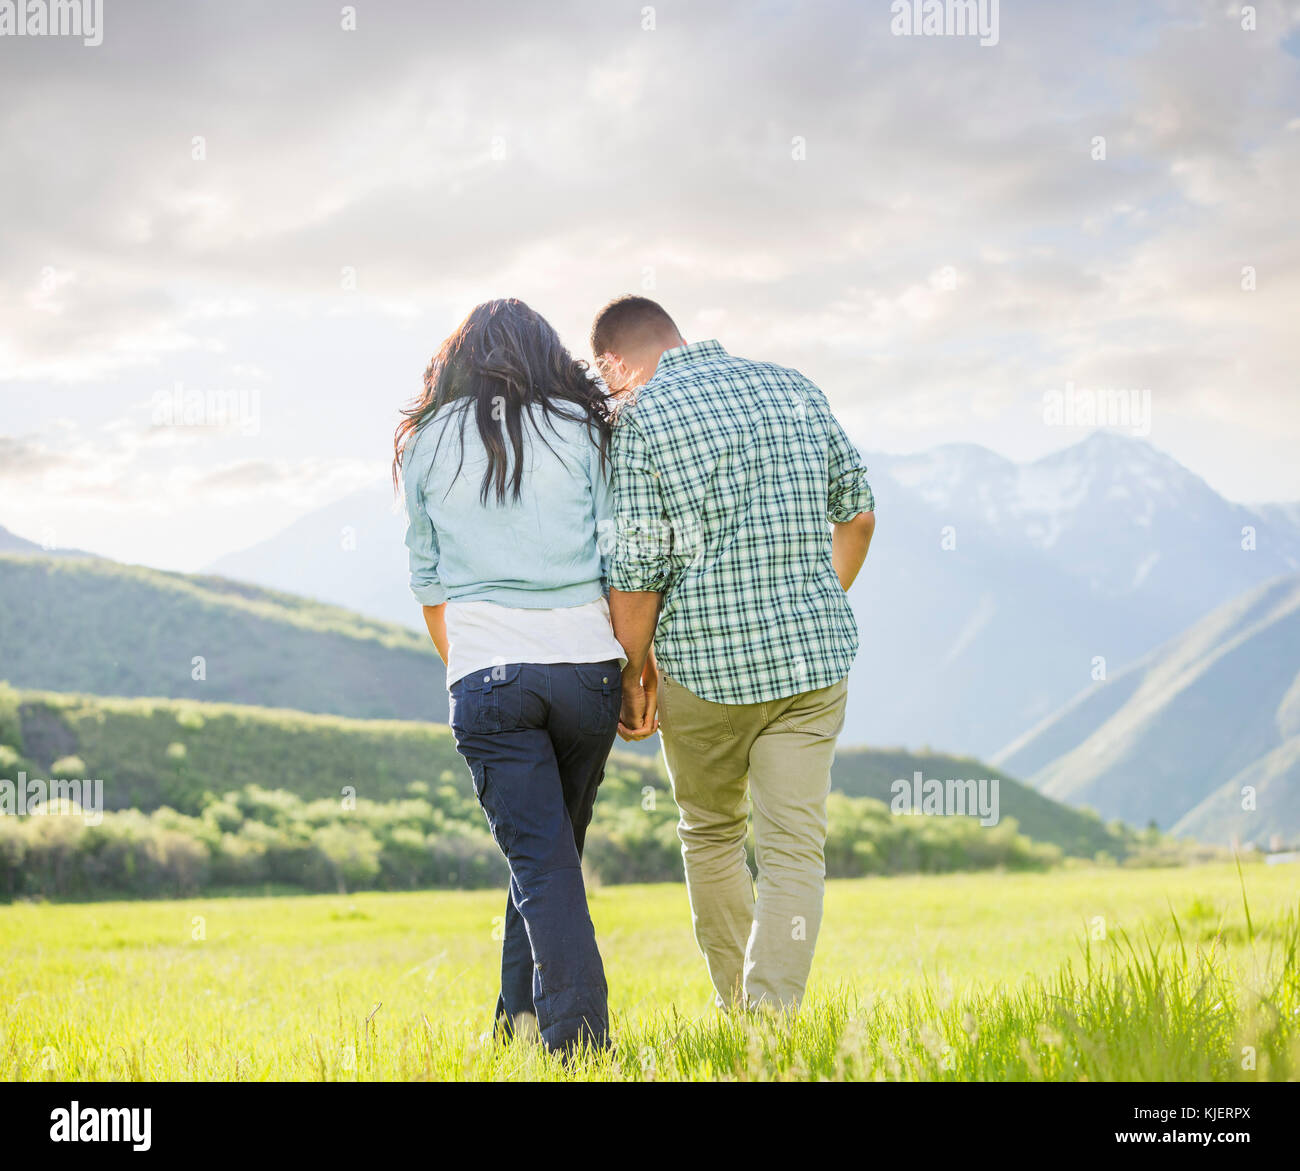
(627, 319)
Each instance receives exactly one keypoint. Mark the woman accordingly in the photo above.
(503, 458)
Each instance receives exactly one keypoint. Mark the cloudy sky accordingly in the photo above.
(250, 200)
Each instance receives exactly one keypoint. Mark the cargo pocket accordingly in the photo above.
(494, 808)
(491, 699)
(600, 696)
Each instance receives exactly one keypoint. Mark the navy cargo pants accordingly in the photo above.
(536, 737)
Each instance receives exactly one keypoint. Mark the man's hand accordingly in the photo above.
(640, 715)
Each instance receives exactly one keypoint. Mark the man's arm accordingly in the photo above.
(850, 503)
(850, 541)
(634, 617)
(639, 572)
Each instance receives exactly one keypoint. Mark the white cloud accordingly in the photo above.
(662, 159)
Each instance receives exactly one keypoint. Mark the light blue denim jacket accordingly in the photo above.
(542, 551)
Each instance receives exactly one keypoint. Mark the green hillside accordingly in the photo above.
(104, 628)
(153, 752)
(98, 627)
(202, 795)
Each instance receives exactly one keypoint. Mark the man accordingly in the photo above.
(725, 474)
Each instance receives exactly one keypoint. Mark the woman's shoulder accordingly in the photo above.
(427, 439)
(447, 417)
(567, 421)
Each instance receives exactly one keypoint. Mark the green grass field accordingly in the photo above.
(989, 976)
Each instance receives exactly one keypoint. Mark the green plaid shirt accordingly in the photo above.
(726, 473)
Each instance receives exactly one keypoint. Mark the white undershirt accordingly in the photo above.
(483, 634)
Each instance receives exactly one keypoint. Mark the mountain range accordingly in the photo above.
(1201, 736)
(1098, 621)
(991, 590)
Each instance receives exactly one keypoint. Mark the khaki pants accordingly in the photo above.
(777, 754)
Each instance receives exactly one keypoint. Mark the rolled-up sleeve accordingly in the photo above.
(421, 539)
(642, 542)
(847, 491)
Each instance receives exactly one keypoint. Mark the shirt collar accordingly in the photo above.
(694, 352)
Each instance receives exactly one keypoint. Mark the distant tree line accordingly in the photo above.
(256, 836)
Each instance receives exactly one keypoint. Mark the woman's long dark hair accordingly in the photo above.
(502, 362)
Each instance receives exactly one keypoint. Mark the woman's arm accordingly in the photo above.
(422, 542)
(435, 618)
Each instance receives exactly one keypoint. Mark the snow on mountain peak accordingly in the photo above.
(1039, 497)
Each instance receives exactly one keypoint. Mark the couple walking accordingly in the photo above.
(669, 551)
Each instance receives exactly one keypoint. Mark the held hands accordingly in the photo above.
(640, 715)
